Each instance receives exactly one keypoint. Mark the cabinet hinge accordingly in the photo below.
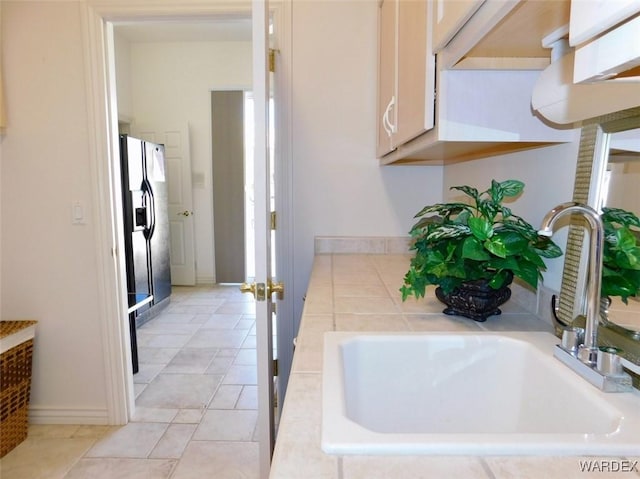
(273, 220)
(275, 367)
(272, 59)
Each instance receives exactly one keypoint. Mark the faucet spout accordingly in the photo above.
(588, 352)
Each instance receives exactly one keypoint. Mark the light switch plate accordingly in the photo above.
(77, 213)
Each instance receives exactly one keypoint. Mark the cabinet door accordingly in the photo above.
(387, 31)
(590, 18)
(412, 64)
(617, 52)
(449, 17)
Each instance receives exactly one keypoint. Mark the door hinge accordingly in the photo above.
(273, 220)
(272, 59)
(275, 367)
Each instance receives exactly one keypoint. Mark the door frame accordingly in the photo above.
(105, 170)
(282, 79)
(265, 427)
(234, 187)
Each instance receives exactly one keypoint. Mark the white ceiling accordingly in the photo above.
(220, 29)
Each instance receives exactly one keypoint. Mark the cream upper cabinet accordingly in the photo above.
(506, 34)
(405, 73)
(386, 76)
(606, 37)
(448, 17)
(480, 113)
(590, 18)
(489, 60)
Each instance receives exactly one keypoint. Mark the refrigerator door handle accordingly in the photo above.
(150, 205)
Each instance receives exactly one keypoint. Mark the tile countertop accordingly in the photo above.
(359, 292)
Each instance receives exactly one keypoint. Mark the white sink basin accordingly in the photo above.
(473, 393)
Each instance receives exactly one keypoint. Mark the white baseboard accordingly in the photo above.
(202, 280)
(44, 415)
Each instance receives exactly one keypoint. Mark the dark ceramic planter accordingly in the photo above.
(475, 299)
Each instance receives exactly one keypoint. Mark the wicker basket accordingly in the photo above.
(16, 339)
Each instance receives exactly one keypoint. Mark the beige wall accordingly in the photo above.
(623, 186)
(49, 265)
(123, 78)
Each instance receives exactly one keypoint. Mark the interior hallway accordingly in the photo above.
(196, 403)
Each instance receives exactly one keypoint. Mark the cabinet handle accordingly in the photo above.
(386, 124)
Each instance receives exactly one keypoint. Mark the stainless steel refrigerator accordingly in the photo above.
(146, 232)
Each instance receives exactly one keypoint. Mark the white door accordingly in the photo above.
(262, 216)
(181, 220)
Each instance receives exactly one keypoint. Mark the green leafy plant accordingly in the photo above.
(480, 240)
(621, 254)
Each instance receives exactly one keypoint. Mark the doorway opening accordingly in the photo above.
(232, 134)
(197, 356)
(231, 223)
(103, 119)
(164, 69)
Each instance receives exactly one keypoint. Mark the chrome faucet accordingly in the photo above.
(600, 367)
(588, 352)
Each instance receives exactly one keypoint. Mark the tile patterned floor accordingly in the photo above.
(196, 401)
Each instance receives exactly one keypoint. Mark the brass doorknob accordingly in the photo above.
(277, 287)
(185, 213)
(248, 288)
(260, 292)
